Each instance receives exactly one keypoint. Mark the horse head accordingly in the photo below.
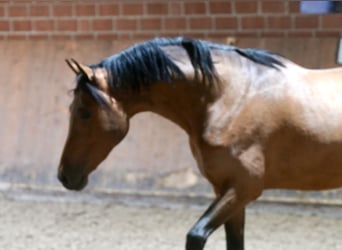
(98, 122)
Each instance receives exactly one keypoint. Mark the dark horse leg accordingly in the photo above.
(234, 229)
(224, 210)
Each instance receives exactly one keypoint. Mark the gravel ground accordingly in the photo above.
(52, 224)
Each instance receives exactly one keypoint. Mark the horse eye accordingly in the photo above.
(83, 113)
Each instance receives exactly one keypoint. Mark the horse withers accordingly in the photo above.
(255, 121)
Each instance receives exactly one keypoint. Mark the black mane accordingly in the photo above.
(145, 63)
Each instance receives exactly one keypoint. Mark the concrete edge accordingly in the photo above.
(138, 197)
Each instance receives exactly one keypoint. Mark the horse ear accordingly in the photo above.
(79, 68)
(72, 66)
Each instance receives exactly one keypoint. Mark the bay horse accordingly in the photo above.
(255, 121)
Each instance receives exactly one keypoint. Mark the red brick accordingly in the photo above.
(200, 23)
(85, 10)
(226, 23)
(323, 33)
(84, 25)
(38, 37)
(175, 23)
(67, 25)
(142, 36)
(151, 24)
(2, 11)
(4, 26)
(220, 7)
(169, 34)
(39, 10)
(16, 11)
(176, 8)
(125, 36)
(195, 8)
(44, 25)
(132, 9)
(22, 25)
(255, 22)
(196, 34)
(61, 37)
(62, 10)
(108, 9)
(307, 21)
(126, 24)
(85, 36)
(273, 6)
(300, 33)
(294, 6)
(332, 21)
(279, 22)
(246, 7)
(246, 34)
(157, 8)
(102, 24)
(220, 35)
(108, 36)
(16, 37)
(273, 33)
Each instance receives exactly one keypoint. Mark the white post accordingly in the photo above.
(339, 52)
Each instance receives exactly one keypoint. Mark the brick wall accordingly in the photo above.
(128, 19)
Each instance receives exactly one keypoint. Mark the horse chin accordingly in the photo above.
(74, 184)
(80, 185)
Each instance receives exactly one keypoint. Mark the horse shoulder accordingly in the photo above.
(232, 150)
(239, 131)
(248, 120)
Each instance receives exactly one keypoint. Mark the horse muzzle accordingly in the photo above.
(72, 182)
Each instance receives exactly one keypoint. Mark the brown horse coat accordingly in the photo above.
(255, 121)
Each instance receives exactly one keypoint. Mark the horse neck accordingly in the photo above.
(184, 103)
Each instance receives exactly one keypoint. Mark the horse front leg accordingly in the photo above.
(225, 209)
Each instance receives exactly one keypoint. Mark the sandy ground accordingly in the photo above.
(51, 224)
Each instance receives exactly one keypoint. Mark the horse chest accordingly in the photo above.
(225, 165)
